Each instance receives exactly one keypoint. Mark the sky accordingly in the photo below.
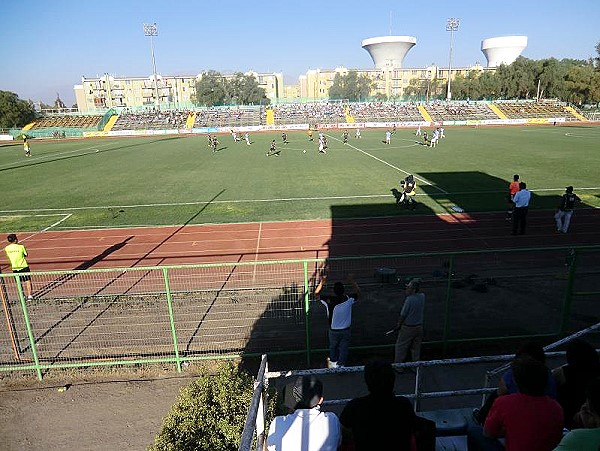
(47, 46)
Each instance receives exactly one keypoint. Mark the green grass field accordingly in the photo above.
(174, 180)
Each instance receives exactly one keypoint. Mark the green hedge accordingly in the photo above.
(210, 412)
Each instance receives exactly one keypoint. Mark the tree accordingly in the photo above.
(210, 412)
(415, 89)
(211, 89)
(14, 112)
(351, 86)
(579, 81)
(244, 90)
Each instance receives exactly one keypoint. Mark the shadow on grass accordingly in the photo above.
(86, 153)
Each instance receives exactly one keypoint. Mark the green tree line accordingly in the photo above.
(569, 80)
(214, 89)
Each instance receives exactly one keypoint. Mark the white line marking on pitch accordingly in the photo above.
(67, 216)
(281, 199)
(256, 251)
(50, 156)
(391, 165)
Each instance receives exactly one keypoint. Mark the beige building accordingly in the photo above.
(391, 83)
(107, 91)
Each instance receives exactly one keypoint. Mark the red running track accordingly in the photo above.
(53, 250)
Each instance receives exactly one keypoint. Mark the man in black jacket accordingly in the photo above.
(565, 210)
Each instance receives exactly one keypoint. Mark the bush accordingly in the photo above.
(209, 413)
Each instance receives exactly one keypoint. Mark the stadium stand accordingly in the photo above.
(86, 121)
(444, 391)
(308, 113)
(533, 109)
(385, 112)
(152, 120)
(237, 116)
(459, 111)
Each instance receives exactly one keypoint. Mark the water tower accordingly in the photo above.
(388, 51)
(503, 50)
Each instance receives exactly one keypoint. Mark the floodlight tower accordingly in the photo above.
(451, 26)
(150, 29)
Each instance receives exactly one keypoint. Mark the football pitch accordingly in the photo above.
(176, 180)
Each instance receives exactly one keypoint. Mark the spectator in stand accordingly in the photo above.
(587, 438)
(507, 384)
(339, 316)
(513, 188)
(528, 420)
(565, 210)
(305, 428)
(583, 366)
(521, 200)
(381, 420)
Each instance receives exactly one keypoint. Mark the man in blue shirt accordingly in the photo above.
(521, 201)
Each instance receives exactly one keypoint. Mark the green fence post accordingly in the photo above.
(36, 360)
(566, 313)
(447, 304)
(171, 318)
(307, 311)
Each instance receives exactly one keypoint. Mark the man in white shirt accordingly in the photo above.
(339, 316)
(306, 428)
(521, 200)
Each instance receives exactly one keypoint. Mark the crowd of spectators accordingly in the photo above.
(303, 113)
(229, 116)
(385, 112)
(459, 111)
(153, 119)
(534, 408)
(309, 113)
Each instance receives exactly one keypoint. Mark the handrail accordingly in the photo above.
(264, 375)
(253, 422)
(556, 344)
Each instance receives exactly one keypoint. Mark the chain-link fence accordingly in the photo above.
(183, 313)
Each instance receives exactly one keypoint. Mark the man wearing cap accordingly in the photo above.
(410, 323)
(339, 315)
(306, 428)
(565, 210)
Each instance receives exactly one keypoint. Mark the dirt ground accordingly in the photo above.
(102, 412)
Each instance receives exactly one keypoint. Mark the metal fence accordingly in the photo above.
(255, 427)
(176, 314)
